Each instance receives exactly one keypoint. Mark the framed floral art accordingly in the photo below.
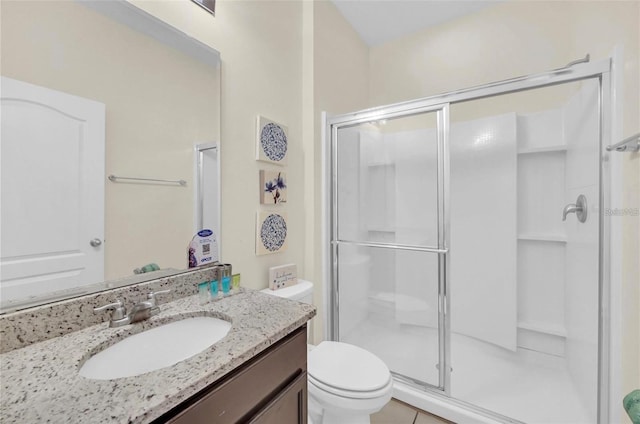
(273, 187)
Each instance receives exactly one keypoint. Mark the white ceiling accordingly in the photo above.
(379, 21)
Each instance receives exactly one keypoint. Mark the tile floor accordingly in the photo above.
(396, 412)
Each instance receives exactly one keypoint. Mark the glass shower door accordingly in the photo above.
(524, 280)
(388, 240)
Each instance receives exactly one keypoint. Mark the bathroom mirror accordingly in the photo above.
(147, 98)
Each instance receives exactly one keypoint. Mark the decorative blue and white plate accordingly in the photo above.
(271, 233)
(272, 142)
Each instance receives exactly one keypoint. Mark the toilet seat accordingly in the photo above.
(336, 391)
(347, 371)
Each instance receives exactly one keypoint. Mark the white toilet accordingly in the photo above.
(346, 384)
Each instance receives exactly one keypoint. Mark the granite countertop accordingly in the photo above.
(40, 382)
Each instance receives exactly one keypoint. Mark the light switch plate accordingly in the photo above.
(283, 276)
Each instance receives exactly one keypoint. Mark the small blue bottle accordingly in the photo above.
(214, 289)
(226, 279)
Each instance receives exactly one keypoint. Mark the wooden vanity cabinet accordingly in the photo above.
(269, 389)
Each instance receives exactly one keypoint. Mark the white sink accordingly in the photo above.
(156, 348)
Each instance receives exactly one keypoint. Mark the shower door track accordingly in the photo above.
(578, 71)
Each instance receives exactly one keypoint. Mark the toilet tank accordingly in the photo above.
(302, 292)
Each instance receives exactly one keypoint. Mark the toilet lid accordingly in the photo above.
(347, 367)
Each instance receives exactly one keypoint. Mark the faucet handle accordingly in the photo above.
(152, 295)
(579, 208)
(117, 307)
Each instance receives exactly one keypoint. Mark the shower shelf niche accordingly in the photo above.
(542, 242)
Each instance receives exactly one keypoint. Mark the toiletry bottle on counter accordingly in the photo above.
(235, 282)
(214, 284)
(203, 292)
(214, 289)
(226, 279)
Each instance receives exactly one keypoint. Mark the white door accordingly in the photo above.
(52, 204)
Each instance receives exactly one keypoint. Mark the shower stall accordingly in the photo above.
(467, 245)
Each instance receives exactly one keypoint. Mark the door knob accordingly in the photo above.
(579, 208)
(95, 242)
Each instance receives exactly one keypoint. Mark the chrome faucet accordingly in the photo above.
(139, 312)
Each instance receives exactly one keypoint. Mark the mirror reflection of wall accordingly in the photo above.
(159, 102)
(208, 188)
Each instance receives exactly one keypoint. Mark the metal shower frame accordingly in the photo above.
(575, 71)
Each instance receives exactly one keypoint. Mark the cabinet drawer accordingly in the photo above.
(250, 388)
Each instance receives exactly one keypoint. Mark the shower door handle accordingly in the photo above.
(579, 208)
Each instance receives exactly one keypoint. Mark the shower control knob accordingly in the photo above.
(95, 242)
(579, 208)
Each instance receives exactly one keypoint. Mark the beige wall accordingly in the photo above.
(340, 85)
(287, 60)
(519, 38)
(150, 91)
(261, 50)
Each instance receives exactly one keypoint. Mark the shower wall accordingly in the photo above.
(558, 261)
(580, 117)
(483, 247)
(541, 235)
